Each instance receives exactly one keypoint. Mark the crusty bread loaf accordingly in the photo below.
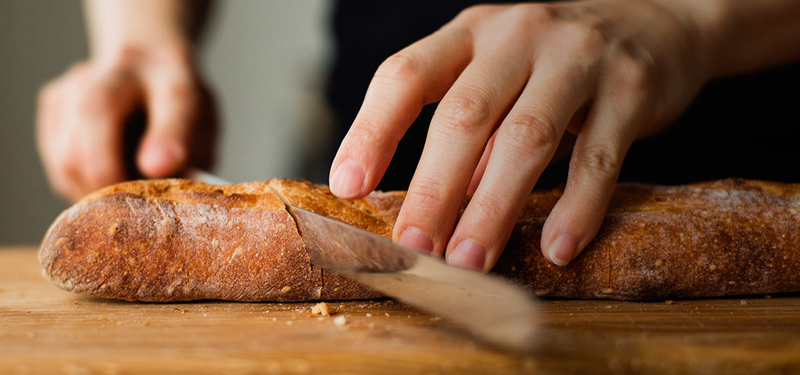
(177, 240)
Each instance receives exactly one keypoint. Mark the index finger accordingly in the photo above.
(402, 85)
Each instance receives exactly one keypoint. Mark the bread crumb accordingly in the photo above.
(289, 322)
(387, 314)
(669, 302)
(76, 303)
(340, 321)
(436, 319)
(742, 302)
(145, 324)
(369, 315)
(731, 283)
(712, 267)
(659, 262)
(274, 319)
(608, 291)
(321, 308)
(286, 289)
(371, 326)
(114, 229)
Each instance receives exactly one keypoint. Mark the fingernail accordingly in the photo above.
(348, 180)
(162, 159)
(563, 249)
(415, 238)
(468, 254)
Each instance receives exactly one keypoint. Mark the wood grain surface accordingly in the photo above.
(46, 330)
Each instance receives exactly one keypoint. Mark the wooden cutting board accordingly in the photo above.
(46, 330)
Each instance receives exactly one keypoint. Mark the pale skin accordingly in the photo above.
(511, 80)
(141, 57)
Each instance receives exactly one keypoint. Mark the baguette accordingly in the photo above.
(179, 240)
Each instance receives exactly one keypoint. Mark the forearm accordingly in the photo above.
(116, 25)
(745, 35)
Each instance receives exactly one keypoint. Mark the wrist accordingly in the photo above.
(147, 26)
(129, 53)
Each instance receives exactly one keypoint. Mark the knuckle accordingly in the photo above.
(532, 14)
(522, 20)
(181, 100)
(97, 101)
(401, 66)
(363, 134)
(427, 191)
(182, 57)
(465, 113)
(69, 166)
(637, 68)
(490, 207)
(599, 160)
(586, 37)
(642, 75)
(184, 91)
(474, 13)
(532, 132)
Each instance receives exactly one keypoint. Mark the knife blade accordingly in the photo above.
(192, 173)
(491, 308)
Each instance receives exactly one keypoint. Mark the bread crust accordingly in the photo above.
(722, 238)
(177, 240)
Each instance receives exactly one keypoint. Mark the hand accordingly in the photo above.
(81, 120)
(511, 80)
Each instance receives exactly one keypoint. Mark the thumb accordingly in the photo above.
(173, 111)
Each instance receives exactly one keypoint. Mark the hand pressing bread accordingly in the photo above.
(179, 240)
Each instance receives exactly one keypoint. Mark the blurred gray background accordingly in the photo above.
(266, 61)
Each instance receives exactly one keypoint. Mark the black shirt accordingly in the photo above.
(745, 126)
